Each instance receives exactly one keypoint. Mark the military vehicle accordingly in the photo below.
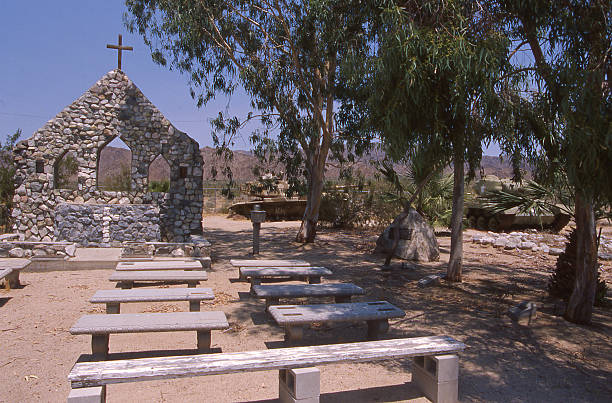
(478, 216)
(268, 191)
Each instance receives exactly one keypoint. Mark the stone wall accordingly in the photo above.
(113, 107)
(106, 225)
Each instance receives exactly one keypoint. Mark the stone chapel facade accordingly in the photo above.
(113, 107)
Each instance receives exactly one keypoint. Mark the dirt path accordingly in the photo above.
(552, 361)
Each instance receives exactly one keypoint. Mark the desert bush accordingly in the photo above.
(561, 282)
(159, 186)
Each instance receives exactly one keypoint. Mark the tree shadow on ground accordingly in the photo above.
(551, 360)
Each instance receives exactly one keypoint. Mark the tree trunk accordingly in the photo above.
(453, 272)
(308, 229)
(580, 306)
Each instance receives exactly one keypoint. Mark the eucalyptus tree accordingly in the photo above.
(569, 42)
(434, 84)
(285, 54)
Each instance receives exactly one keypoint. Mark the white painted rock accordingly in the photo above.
(527, 245)
(70, 250)
(16, 252)
(500, 243)
(178, 253)
(512, 244)
(555, 251)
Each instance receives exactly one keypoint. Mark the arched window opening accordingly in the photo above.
(115, 167)
(65, 173)
(159, 175)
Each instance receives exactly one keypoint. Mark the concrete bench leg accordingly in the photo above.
(376, 328)
(95, 394)
(294, 333)
(194, 306)
(272, 301)
(113, 307)
(192, 284)
(437, 377)
(126, 285)
(301, 385)
(314, 279)
(99, 345)
(12, 279)
(340, 299)
(204, 340)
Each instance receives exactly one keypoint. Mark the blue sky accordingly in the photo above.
(53, 51)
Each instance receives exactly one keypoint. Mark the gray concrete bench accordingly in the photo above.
(113, 298)
(126, 279)
(294, 317)
(434, 370)
(10, 270)
(255, 274)
(268, 263)
(101, 326)
(341, 292)
(160, 265)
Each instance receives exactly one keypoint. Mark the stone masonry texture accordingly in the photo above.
(112, 107)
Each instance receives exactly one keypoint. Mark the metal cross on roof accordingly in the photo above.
(119, 48)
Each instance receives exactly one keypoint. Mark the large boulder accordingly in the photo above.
(417, 240)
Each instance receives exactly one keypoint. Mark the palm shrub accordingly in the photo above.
(561, 282)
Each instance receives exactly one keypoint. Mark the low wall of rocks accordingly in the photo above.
(106, 225)
(197, 248)
(25, 249)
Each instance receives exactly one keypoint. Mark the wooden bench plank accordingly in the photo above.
(129, 277)
(113, 298)
(159, 265)
(268, 263)
(87, 374)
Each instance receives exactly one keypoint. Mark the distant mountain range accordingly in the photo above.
(244, 162)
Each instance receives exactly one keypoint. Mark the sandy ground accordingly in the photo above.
(551, 361)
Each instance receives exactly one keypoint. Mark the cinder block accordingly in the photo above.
(300, 383)
(88, 395)
(437, 377)
(284, 396)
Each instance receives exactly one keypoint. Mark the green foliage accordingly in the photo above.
(561, 282)
(532, 198)
(435, 80)
(66, 170)
(7, 177)
(7, 169)
(285, 55)
(434, 199)
(352, 208)
(572, 68)
(121, 182)
(159, 186)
